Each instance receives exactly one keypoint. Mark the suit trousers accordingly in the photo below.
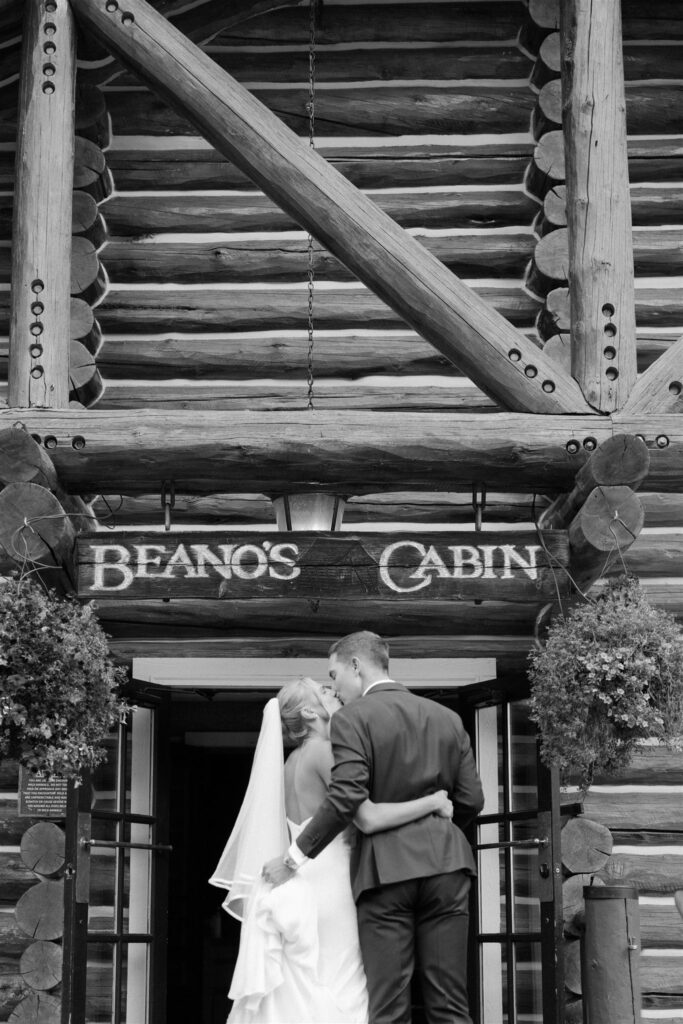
(420, 924)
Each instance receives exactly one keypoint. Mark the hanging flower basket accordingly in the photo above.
(58, 686)
(609, 674)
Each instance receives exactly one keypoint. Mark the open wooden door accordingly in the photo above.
(117, 855)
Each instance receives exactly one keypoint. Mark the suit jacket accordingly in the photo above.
(391, 745)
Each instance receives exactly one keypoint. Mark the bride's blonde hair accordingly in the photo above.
(294, 696)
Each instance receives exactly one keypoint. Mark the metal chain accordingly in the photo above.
(311, 141)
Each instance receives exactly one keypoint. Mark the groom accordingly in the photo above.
(411, 883)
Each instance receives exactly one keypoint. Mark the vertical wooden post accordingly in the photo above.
(41, 256)
(598, 202)
(611, 955)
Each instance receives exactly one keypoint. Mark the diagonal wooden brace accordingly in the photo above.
(385, 257)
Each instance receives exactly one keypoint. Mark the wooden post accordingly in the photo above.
(388, 260)
(41, 260)
(611, 955)
(598, 206)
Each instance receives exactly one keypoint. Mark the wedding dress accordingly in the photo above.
(299, 959)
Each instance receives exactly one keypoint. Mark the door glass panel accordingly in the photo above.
(509, 939)
(524, 795)
(119, 939)
(100, 983)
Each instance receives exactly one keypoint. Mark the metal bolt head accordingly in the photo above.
(662, 441)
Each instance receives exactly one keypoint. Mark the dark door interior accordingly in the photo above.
(207, 786)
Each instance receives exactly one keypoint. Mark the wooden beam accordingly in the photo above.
(604, 528)
(374, 248)
(621, 460)
(352, 453)
(660, 388)
(40, 311)
(598, 202)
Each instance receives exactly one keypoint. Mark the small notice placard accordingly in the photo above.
(40, 797)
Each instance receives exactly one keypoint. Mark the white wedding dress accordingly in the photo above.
(299, 959)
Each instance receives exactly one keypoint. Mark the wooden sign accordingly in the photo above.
(343, 566)
(40, 797)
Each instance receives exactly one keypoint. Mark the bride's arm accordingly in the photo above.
(372, 817)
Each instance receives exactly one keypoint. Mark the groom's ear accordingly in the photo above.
(308, 713)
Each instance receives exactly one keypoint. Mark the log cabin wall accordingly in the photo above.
(447, 114)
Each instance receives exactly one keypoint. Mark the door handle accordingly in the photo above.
(509, 844)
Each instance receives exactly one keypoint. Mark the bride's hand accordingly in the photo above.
(276, 871)
(443, 807)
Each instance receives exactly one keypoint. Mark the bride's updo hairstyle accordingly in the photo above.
(294, 696)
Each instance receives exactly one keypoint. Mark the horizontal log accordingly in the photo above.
(278, 397)
(653, 764)
(190, 620)
(135, 215)
(233, 509)
(419, 22)
(658, 875)
(650, 205)
(665, 20)
(660, 926)
(381, 64)
(85, 382)
(407, 110)
(586, 845)
(283, 355)
(656, 253)
(655, 307)
(511, 653)
(661, 386)
(359, 452)
(16, 879)
(649, 160)
(478, 161)
(483, 254)
(661, 974)
(648, 809)
(245, 308)
(230, 509)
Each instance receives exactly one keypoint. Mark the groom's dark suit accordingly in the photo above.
(411, 883)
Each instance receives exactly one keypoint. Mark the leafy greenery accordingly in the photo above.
(610, 674)
(58, 685)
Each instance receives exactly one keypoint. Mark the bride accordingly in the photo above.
(299, 960)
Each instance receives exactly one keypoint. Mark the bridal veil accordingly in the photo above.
(260, 832)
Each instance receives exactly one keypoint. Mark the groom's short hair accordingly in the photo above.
(363, 644)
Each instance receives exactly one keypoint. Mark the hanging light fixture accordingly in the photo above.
(312, 511)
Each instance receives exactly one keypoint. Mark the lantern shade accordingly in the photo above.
(313, 511)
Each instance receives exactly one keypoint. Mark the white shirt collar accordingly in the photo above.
(376, 683)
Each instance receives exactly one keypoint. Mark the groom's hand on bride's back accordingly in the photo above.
(276, 871)
(444, 806)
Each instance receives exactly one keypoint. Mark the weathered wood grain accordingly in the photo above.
(41, 965)
(272, 308)
(623, 459)
(278, 397)
(600, 240)
(475, 161)
(403, 61)
(42, 213)
(484, 254)
(603, 529)
(283, 355)
(135, 215)
(656, 253)
(645, 809)
(40, 911)
(360, 452)
(649, 160)
(510, 566)
(650, 205)
(660, 388)
(357, 232)
(42, 848)
(356, 111)
(586, 845)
